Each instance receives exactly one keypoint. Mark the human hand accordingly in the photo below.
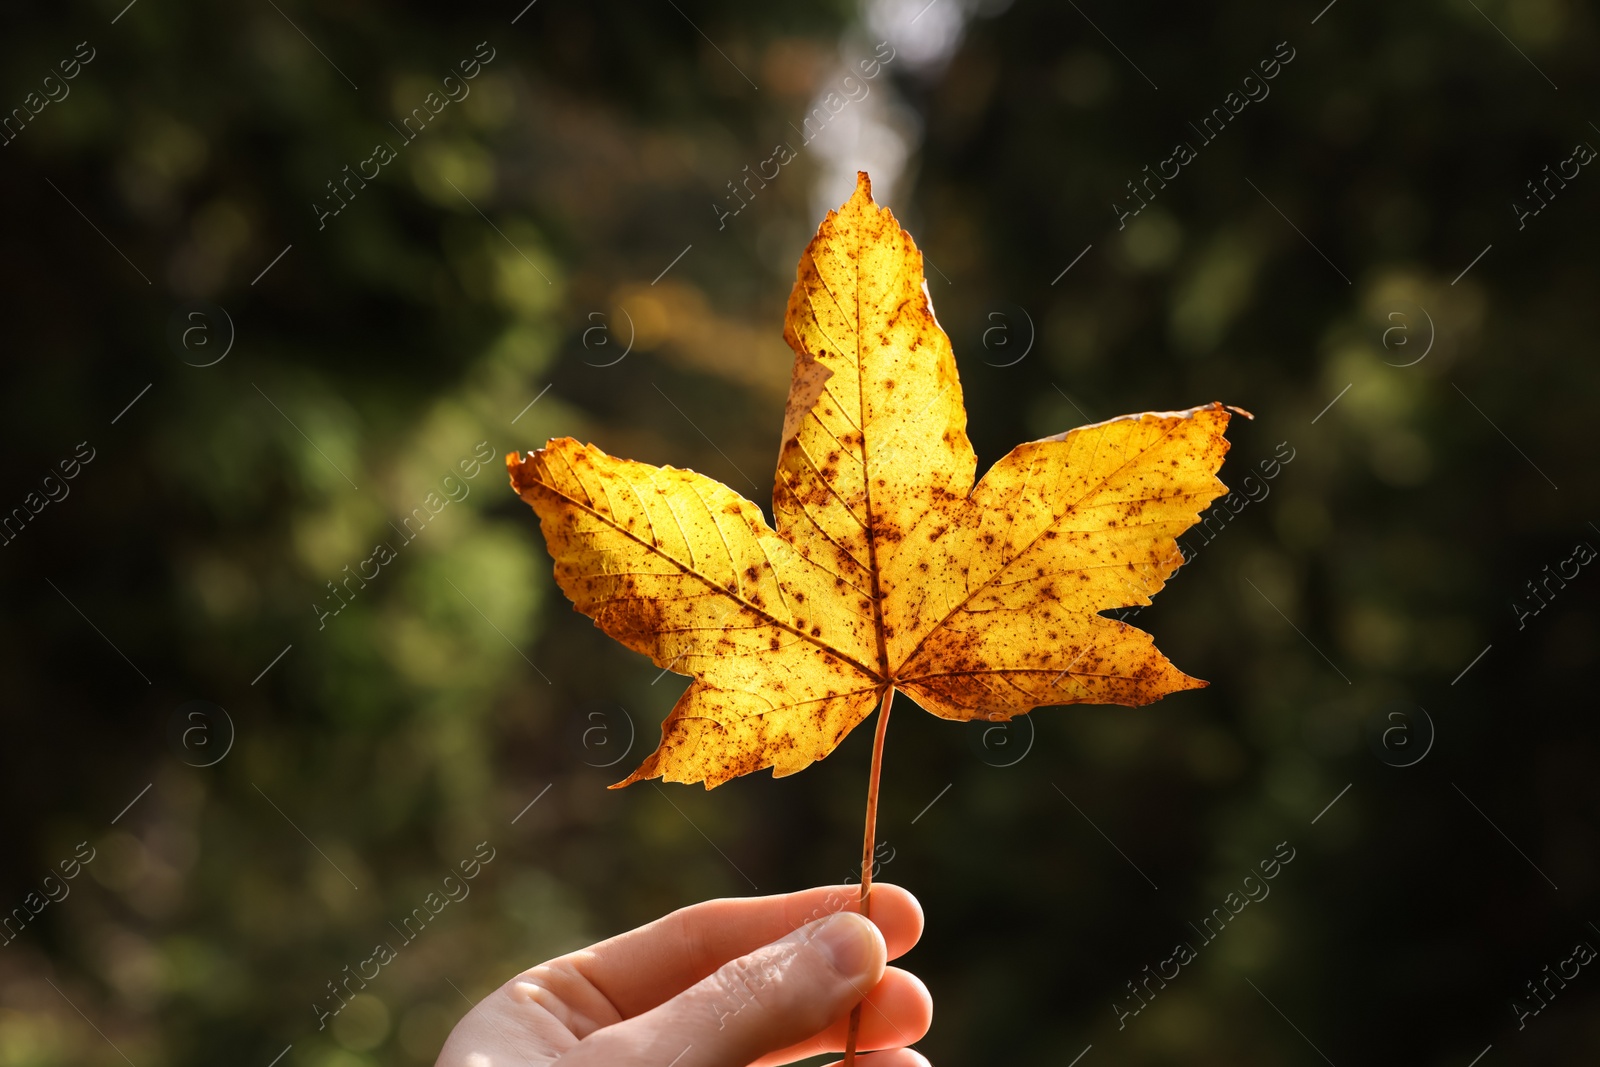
(755, 981)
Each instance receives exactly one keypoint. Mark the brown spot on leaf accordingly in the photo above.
(980, 640)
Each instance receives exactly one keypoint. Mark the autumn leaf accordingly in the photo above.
(888, 568)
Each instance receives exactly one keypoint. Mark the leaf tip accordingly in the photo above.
(640, 773)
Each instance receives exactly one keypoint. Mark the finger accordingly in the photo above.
(642, 968)
(762, 1001)
(900, 1057)
(897, 1012)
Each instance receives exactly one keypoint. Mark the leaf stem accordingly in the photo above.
(869, 846)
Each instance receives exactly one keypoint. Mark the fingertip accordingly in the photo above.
(853, 944)
(901, 901)
(893, 909)
(898, 1012)
(902, 1013)
(898, 914)
(920, 996)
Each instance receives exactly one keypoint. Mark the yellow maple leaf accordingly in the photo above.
(888, 570)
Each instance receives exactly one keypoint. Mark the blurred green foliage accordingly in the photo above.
(456, 686)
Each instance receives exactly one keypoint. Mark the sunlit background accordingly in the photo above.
(244, 348)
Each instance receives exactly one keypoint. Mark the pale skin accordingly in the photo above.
(742, 982)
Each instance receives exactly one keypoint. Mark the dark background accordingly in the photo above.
(507, 256)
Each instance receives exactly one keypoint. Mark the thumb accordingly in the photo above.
(761, 1002)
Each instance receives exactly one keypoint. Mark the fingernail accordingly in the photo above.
(849, 941)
